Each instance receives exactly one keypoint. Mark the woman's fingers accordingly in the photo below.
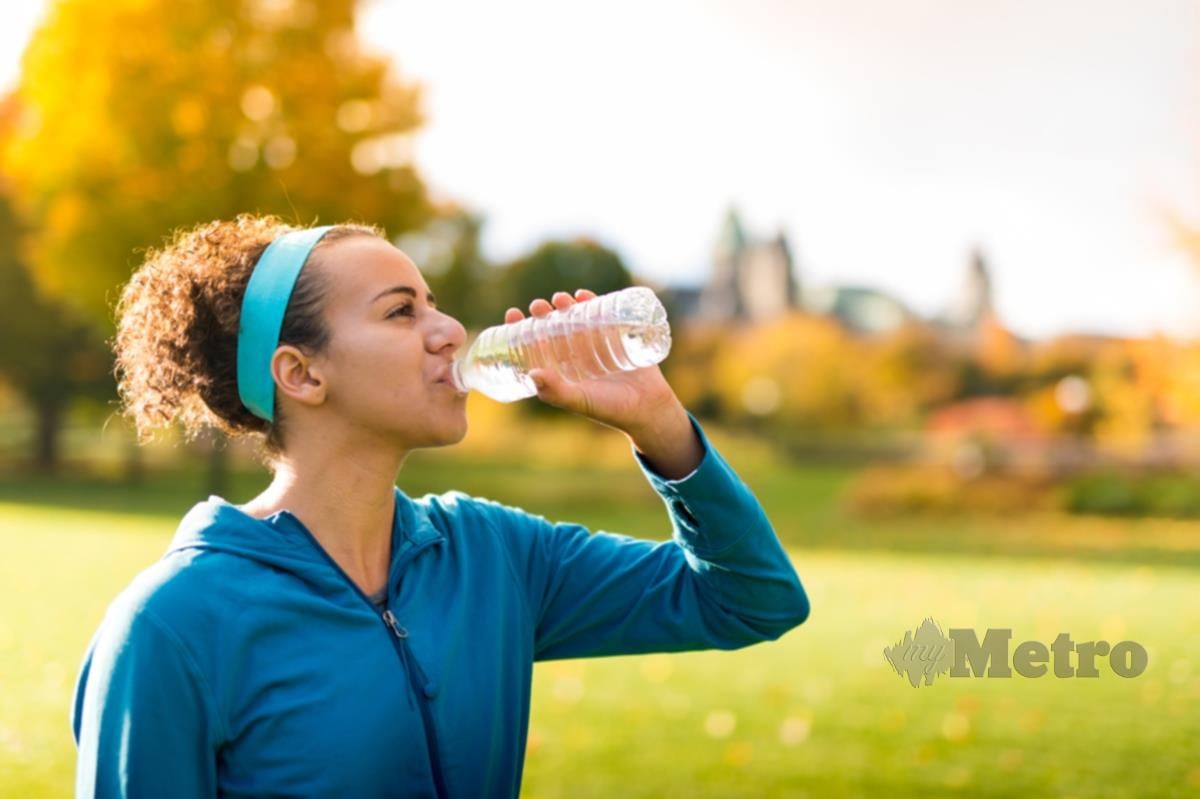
(540, 307)
(561, 301)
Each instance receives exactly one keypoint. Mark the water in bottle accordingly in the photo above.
(614, 332)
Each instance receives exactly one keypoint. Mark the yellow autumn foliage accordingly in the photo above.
(139, 116)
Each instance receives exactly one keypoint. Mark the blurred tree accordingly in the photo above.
(999, 352)
(1060, 357)
(689, 366)
(449, 255)
(1182, 397)
(561, 266)
(47, 354)
(796, 374)
(905, 373)
(554, 266)
(1126, 405)
(139, 116)
(210, 110)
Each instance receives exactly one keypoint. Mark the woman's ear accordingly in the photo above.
(297, 376)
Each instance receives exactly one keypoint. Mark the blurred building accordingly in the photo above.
(861, 309)
(971, 313)
(754, 280)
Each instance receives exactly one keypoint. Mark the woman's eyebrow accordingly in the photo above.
(404, 290)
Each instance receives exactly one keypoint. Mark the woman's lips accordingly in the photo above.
(445, 381)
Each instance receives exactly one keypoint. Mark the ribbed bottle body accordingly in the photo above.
(615, 332)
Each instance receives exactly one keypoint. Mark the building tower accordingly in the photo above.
(751, 281)
(721, 298)
(973, 304)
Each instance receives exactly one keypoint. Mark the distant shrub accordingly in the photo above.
(897, 490)
(1107, 494)
(1132, 494)
(1174, 495)
(906, 490)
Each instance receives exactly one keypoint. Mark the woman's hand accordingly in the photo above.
(634, 402)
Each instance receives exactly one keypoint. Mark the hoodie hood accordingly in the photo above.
(283, 542)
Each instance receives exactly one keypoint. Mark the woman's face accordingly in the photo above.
(390, 348)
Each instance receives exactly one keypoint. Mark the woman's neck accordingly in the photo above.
(346, 500)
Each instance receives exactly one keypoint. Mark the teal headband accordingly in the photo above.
(263, 306)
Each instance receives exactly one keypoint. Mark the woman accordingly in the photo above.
(333, 636)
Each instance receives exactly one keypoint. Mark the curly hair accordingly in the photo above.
(177, 328)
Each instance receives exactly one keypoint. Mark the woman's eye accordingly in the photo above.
(402, 310)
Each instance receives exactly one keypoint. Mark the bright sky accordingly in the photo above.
(885, 137)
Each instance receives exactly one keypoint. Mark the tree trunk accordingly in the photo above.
(49, 412)
(218, 462)
(135, 462)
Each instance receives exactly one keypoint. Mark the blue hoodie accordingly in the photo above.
(246, 663)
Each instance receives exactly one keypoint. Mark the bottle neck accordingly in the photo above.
(457, 378)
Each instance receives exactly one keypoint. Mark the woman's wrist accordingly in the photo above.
(669, 443)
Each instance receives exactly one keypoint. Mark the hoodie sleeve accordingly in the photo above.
(143, 717)
(724, 581)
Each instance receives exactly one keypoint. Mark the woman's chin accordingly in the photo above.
(461, 435)
(454, 433)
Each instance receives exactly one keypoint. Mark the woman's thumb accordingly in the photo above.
(549, 385)
(538, 376)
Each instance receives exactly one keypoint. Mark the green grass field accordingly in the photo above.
(818, 713)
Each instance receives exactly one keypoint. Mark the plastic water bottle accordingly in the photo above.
(614, 332)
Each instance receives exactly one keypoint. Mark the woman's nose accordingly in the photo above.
(448, 331)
